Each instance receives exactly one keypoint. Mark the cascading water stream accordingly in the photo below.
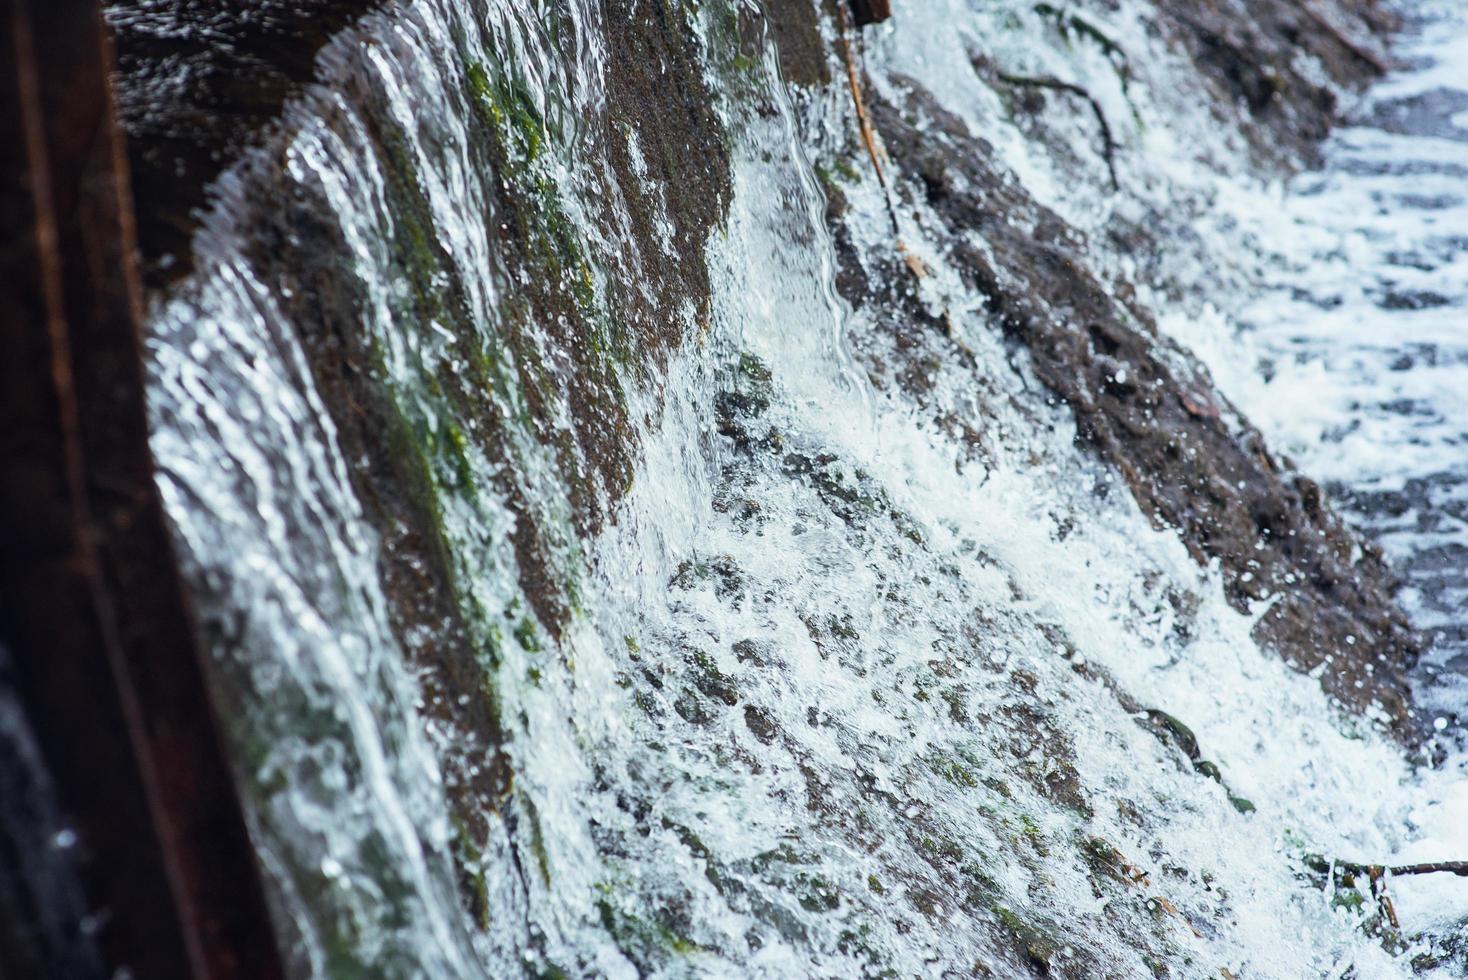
(782, 668)
(349, 798)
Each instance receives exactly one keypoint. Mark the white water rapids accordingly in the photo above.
(845, 707)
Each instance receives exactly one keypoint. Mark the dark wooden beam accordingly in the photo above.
(106, 657)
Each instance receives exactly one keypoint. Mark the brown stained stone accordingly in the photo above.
(1249, 53)
(796, 25)
(865, 12)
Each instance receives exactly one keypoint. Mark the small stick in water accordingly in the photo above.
(844, 23)
(1108, 142)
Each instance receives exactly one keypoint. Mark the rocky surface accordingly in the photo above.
(192, 105)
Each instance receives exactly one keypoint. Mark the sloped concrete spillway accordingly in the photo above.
(702, 490)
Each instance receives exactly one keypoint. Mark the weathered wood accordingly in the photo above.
(91, 604)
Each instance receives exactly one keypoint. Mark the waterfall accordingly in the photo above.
(633, 539)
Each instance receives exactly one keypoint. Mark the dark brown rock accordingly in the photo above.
(870, 11)
(1142, 404)
(1249, 53)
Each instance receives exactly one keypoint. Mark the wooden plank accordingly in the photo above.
(91, 604)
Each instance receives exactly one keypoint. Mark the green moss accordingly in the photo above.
(1181, 734)
(470, 862)
(751, 367)
(712, 869)
(478, 81)
(711, 681)
(537, 841)
(874, 884)
(506, 103)
(1241, 804)
(1205, 768)
(644, 939)
(526, 635)
(981, 891)
(906, 526)
(555, 300)
(999, 786)
(955, 773)
(1036, 942)
(1100, 849)
(455, 447)
(545, 971)
(817, 894)
(727, 49)
(781, 854)
(841, 628)
(941, 847)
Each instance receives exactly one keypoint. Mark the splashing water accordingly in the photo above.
(827, 693)
(1359, 343)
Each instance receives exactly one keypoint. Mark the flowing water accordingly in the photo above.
(830, 693)
(1359, 334)
(1352, 357)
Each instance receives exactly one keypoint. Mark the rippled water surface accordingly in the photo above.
(1354, 359)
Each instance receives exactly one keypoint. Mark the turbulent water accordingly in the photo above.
(1359, 334)
(838, 681)
(1352, 358)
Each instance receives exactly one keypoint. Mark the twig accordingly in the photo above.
(1046, 81)
(1459, 868)
(867, 135)
(1379, 874)
(1378, 891)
